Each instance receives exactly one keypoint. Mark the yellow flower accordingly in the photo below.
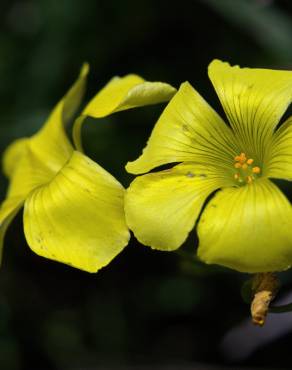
(247, 224)
(73, 208)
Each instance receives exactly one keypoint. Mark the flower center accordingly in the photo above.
(246, 170)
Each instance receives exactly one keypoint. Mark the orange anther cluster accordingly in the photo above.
(246, 172)
(256, 169)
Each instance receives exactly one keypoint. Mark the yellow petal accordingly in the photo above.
(247, 229)
(78, 218)
(254, 100)
(120, 94)
(162, 208)
(29, 174)
(31, 162)
(51, 144)
(12, 156)
(279, 162)
(188, 130)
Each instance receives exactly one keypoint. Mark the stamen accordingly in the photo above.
(240, 158)
(256, 169)
(246, 172)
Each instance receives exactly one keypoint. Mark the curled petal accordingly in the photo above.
(247, 229)
(29, 174)
(162, 208)
(51, 144)
(13, 155)
(32, 162)
(122, 93)
(77, 218)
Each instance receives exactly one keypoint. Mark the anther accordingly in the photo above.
(244, 166)
(249, 179)
(240, 158)
(256, 169)
(246, 169)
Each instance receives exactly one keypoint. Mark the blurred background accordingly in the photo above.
(146, 308)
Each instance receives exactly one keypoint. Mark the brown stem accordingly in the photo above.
(265, 287)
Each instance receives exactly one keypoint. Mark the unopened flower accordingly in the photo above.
(247, 224)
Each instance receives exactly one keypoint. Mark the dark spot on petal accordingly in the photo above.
(190, 174)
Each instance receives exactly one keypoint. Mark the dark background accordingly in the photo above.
(145, 308)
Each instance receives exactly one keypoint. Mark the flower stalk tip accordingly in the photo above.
(265, 287)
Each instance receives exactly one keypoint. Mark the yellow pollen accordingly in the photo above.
(249, 179)
(236, 176)
(244, 166)
(237, 165)
(256, 169)
(250, 161)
